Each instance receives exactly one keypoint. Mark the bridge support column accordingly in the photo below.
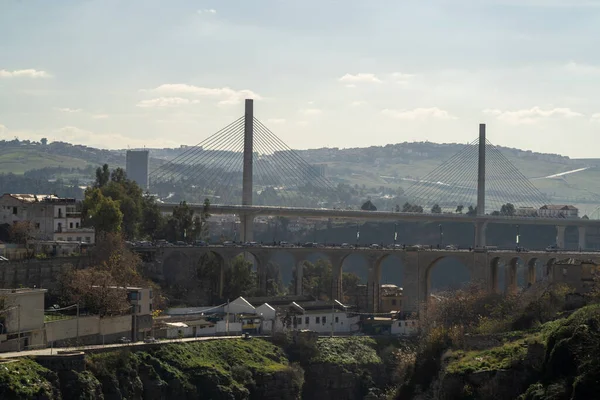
(582, 241)
(246, 228)
(414, 283)
(299, 277)
(246, 221)
(336, 278)
(480, 231)
(560, 236)
(373, 285)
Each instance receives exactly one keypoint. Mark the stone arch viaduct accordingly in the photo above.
(173, 263)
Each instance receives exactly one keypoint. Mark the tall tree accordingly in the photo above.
(240, 280)
(459, 209)
(103, 213)
(102, 176)
(436, 209)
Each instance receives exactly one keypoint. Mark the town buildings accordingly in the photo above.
(558, 211)
(21, 319)
(50, 218)
(137, 165)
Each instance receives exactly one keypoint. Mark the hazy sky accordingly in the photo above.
(345, 73)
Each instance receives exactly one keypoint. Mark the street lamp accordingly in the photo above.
(441, 235)
(395, 233)
(518, 236)
(357, 234)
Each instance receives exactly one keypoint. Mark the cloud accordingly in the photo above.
(531, 115)
(276, 121)
(594, 118)
(302, 123)
(226, 95)
(583, 69)
(359, 78)
(401, 78)
(418, 114)
(24, 73)
(358, 103)
(69, 110)
(3, 129)
(207, 11)
(99, 116)
(311, 111)
(111, 140)
(162, 102)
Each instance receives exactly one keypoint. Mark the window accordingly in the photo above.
(393, 302)
(15, 210)
(59, 227)
(71, 225)
(324, 320)
(307, 320)
(76, 224)
(139, 309)
(140, 295)
(337, 319)
(317, 320)
(133, 295)
(299, 320)
(69, 238)
(150, 307)
(79, 238)
(88, 239)
(37, 225)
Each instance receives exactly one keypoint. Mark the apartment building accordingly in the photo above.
(52, 218)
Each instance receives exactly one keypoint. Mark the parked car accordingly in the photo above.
(375, 246)
(451, 247)
(124, 340)
(200, 243)
(228, 243)
(552, 248)
(150, 340)
(346, 246)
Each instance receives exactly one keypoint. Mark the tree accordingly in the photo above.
(316, 279)
(472, 210)
(96, 288)
(397, 208)
(459, 209)
(44, 141)
(368, 206)
(436, 209)
(118, 175)
(21, 232)
(180, 226)
(153, 222)
(102, 176)
(101, 212)
(350, 282)
(508, 209)
(407, 207)
(240, 280)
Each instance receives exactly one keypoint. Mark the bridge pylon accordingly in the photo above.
(246, 220)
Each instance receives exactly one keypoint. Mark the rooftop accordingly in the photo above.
(38, 198)
(22, 291)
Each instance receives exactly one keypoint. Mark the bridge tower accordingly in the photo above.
(480, 227)
(246, 220)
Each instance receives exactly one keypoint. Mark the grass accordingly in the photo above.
(25, 379)
(501, 357)
(347, 351)
(256, 354)
(20, 161)
(55, 317)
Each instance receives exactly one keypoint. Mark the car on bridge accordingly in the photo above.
(200, 243)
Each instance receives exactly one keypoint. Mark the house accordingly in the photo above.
(391, 298)
(558, 211)
(579, 274)
(405, 327)
(318, 316)
(52, 218)
(21, 319)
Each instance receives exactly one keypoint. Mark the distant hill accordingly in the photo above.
(373, 166)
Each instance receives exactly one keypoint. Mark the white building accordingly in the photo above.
(22, 319)
(406, 327)
(52, 218)
(558, 211)
(317, 316)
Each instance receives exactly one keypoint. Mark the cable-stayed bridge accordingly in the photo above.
(246, 170)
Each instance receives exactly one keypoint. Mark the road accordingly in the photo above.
(50, 351)
(381, 215)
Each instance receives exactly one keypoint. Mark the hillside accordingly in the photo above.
(389, 166)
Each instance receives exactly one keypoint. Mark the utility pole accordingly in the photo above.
(441, 236)
(395, 233)
(357, 234)
(18, 327)
(332, 316)
(227, 320)
(78, 323)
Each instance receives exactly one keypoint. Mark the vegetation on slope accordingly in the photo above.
(26, 379)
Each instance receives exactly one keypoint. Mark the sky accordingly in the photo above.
(323, 73)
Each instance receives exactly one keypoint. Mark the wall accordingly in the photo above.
(405, 327)
(30, 313)
(38, 273)
(67, 328)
